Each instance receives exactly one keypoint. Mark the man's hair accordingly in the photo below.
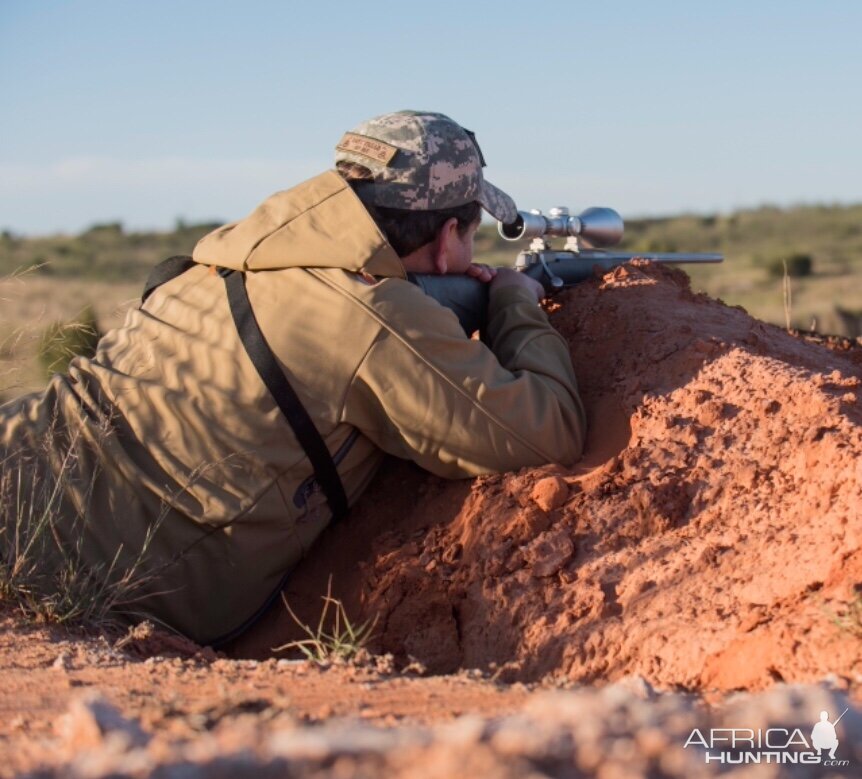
(406, 230)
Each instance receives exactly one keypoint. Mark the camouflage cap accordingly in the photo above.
(422, 161)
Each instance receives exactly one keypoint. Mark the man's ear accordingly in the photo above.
(447, 233)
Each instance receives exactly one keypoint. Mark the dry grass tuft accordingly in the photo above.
(343, 641)
(42, 573)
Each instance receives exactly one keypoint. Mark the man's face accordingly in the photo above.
(461, 249)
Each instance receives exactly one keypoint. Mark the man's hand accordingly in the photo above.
(480, 271)
(508, 277)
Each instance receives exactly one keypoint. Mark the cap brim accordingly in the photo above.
(497, 203)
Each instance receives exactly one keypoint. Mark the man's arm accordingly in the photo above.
(456, 407)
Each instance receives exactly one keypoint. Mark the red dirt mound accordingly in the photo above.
(710, 539)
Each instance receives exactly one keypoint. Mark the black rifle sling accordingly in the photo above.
(270, 372)
(284, 395)
(165, 271)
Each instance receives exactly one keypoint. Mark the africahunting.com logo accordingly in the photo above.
(735, 746)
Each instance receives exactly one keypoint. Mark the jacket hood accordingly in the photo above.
(319, 223)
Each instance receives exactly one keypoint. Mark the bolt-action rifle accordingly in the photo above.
(588, 237)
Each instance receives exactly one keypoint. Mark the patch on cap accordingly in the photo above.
(367, 147)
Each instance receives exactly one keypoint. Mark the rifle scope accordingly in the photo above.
(599, 226)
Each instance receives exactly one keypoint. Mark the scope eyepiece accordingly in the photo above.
(528, 224)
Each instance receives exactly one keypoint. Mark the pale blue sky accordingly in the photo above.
(146, 111)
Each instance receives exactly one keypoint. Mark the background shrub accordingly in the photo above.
(61, 341)
(798, 265)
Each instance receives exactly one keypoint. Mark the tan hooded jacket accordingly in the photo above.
(184, 443)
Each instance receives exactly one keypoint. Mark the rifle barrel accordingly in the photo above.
(651, 256)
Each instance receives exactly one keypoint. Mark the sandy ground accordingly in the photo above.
(701, 568)
(179, 691)
(73, 705)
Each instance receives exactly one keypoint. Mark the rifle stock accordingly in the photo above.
(555, 270)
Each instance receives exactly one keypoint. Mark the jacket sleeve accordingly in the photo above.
(458, 408)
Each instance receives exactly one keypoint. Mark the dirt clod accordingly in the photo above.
(550, 493)
(549, 552)
(91, 720)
